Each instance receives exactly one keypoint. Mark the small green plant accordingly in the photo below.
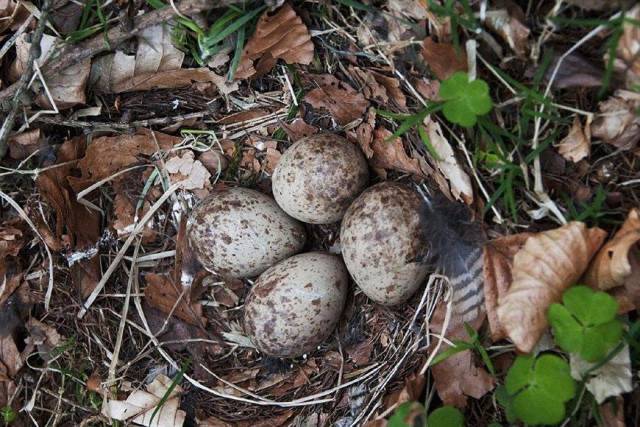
(536, 389)
(92, 21)
(9, 415)
(411, 414)
(465, 100)
(585, 323)
(473, 344)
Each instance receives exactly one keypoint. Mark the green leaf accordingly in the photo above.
(566, 329)
(464, 101)
(506, 400)
(447, 416)
(598, 340)
(536, 389)
(408, 414)
(458, 346)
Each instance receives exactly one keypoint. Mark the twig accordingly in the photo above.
(21, 85)
(57, 120)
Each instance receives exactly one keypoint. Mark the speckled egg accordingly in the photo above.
(382, 242)
(238, 232)
(295, 305)
(318, 177)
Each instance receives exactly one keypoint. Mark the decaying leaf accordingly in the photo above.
(618, 124)
(459, 182)
(11, 241)
(23, 145)
(627, 61)
(12, 15)
(574, 71)
(298, 129)
(189, 172)
(44, 337)
(156, 52)
(379, 88)
(140, 406)
(343, 102)
(182, 77)
(163, 294)
(390, 154)
(497, 266)
(510, 28)
(618, 262)
(443, 58)
(612, 413)
(611, 379)
(67, 86)
(279, 36)
(547, 264)
(577, 144)
(415, 9)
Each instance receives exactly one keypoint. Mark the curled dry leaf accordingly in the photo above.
(577, 144)
(611, 379)
(379, 88)
(140, 407)
(67, 86)
(618, 124)
(497, 266)
(459, 182)
(390, 154)
(163, 294)
(618, 262)
(443, 58)
(627, 61)
(343, 102)
(23, 145)
(279, 36)
(510, 28)
(547, 264)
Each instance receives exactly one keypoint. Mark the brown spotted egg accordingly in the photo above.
(295, 305)
(318, 177)
(382, 243)
(239, 232)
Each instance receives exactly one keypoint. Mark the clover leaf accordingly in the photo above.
(586, 323)
(464, 100)
(446, 416)
(537, 388)
(408, 414)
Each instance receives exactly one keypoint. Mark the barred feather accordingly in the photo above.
(456, 249)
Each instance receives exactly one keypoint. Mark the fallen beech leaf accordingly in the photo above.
(429, 89)
(390, 154)
(124, 210)
(611, 379)
(627, 61)
(162, 294)
(109, 154)
(282, 35)
(497, 266)
(618, 262)
(577, 144)
(170, 79)
(298, 129)
(458, 376)
(140, 406)
(379, 88)
(23, 145)
(510, 28)
(214, 161)
(10, 364)
(188, 171)
(244, 116)
(67, 86)
(548, 263)
(459, 182)
(156, 52)
(612, 413)
(338, 98)
(618, 124)
(443, 59)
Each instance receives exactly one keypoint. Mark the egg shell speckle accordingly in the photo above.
(318, 177)
(238, 232)
(383, 245)
(295, 305)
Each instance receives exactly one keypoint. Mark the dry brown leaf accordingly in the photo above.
(170, 79)
(44, 337)
(282, 35)
(612, 413)
(443, 59)
(627, 61)
(162, 294)
(109, 154)
(429, 89)
(363, 134)
(618, 262)
(459, 182)
(12, 15)
(124, 212)
(411, 390)
(391, 155)
(548, 263)
(23, 145)
(299, 129)
(416, 9)
(497, 265)
(510, 28)
(341, 100)
(618, 124)
(10, 364)
(244, 116)
(11, 241)
(156, 51)
(67, 86)
(459, 376)
(577, 144)
(379, 88)
(214, 161)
